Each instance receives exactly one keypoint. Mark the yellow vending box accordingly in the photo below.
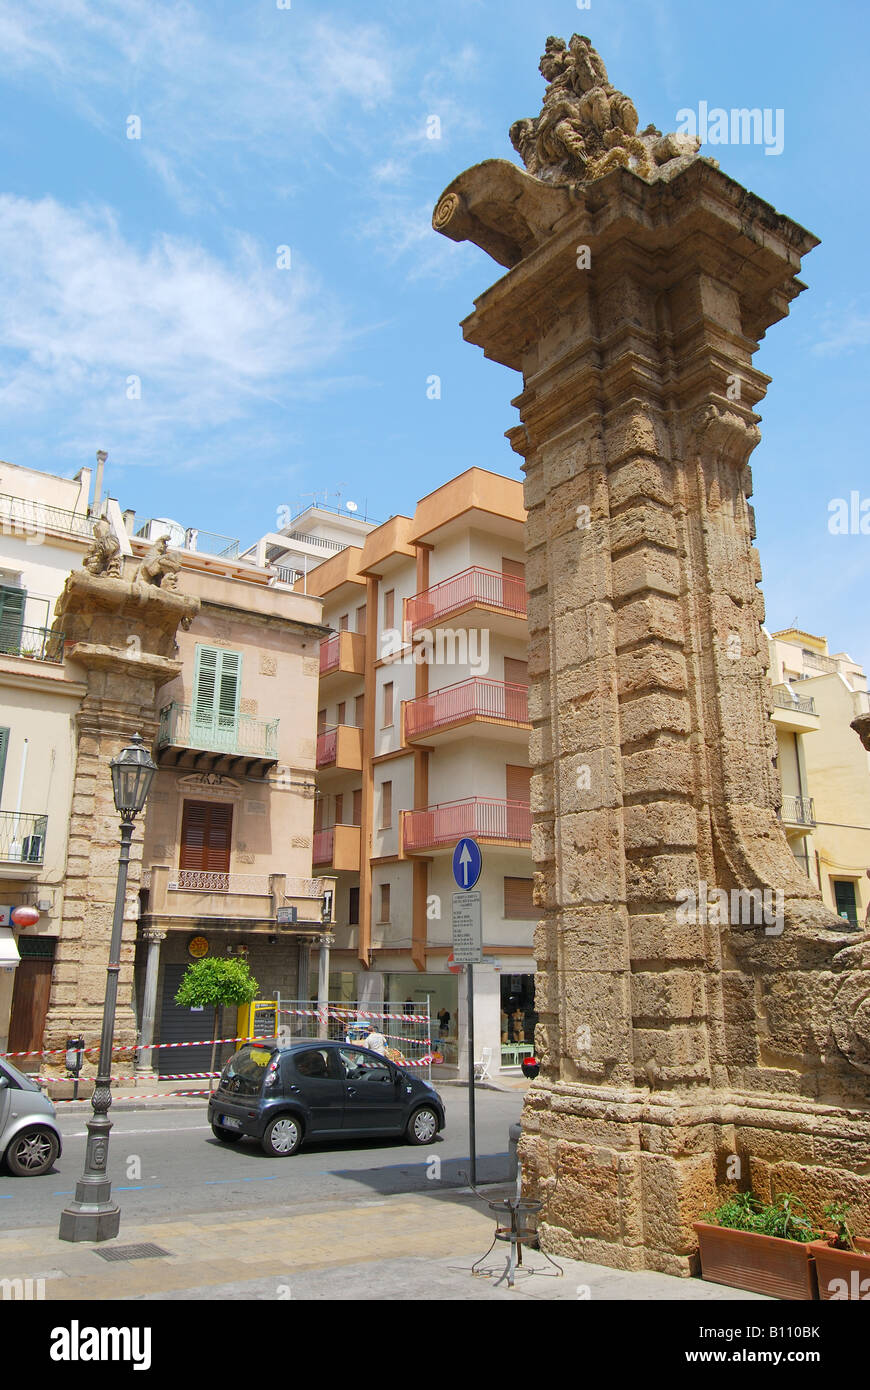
(258, 1019)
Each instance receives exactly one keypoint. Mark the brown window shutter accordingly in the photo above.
(359, 711)
(339, 808)
(344, 622)
(388, 704)
(516, 672)
(357, 806)
(321, 721)
(390, 608)
(513, 567)
(361, 618)
(518, 899)
(206, 835)
(385, 903)
(342, 711)
(386, 805)
(518, 783)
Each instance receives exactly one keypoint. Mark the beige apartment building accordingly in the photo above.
(222, 855)
(824, 769)
(423, 732)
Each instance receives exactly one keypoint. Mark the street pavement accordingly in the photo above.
(350, 1221)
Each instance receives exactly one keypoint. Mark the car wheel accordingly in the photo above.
(32, 1152)
(283, 1136)
(226, 1136)
(422, 1126)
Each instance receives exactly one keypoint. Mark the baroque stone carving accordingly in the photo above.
(103, 556)
(159, 566)
(586, 126)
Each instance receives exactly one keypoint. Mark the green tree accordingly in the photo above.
(212, 982)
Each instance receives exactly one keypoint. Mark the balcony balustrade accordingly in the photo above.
(338, 846)
(471, 588)
(252, 898)
(798, 810)
(201, 739)
(32, 643)
(340, 749)
(22, 838)
(27, 516)
(476, 698)
(483, 817)
(783, 700)
(343, 653)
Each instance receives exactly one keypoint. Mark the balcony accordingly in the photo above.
(480, 594)
(486, 818)
(31, 643)
(340, 749)
(492, 707)
(216, 743)
(190, 538)
(798, 715)
(343, 656)
(27, 516)
(22, 843)
(338, 847)
(798, 811)
(232, 898)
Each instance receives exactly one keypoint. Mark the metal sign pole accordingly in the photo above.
(472, 1135)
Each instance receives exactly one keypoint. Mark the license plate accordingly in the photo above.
(229, 1122)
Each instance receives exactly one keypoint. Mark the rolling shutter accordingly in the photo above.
(206, 834)
(518, 783)
(518, 903)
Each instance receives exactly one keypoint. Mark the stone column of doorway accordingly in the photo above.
(673, 1040)
(144, 1057)
(324, 943)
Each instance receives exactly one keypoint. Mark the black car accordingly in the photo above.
(283, 1096)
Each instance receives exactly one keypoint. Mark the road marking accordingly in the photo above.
(178, 1129)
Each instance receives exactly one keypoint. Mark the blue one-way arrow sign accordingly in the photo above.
(467, 863)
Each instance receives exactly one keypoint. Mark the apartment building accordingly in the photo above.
(824, 769)
(226, 839)
(423, 735)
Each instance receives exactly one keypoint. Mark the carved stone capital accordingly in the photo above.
(723, 434)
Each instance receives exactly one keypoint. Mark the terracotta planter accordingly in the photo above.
(842, 1274)
(762, 1264)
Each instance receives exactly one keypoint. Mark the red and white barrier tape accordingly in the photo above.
(348, 1015)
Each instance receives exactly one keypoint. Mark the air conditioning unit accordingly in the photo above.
(163, 526)
(31, 849)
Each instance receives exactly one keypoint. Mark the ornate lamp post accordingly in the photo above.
(93, 1215)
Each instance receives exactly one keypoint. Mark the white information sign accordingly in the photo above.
(467, 929)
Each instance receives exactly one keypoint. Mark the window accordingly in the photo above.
(342, 711)
(385, 903)
(518, 905)
(361, 618)
(321, 721)
(357, 807)
(388, 705)
(339, 808)
(844, 897)
(513, 567)
(11, 617)
(206, 830)
(359, 711)
(344, 622)
(386, 805)
(312, 1063)
(4, 748)
(216, 689)
(516, 672)
(359, 1066)
(390, 608)
(518, 783)
(353, 906)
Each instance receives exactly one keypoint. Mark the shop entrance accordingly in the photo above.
(518, 1018)
(181, 1025)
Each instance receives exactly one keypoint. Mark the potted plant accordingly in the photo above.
(760, 1246)
(843, 1260)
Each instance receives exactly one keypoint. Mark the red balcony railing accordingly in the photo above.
(330, 649)
(327, 745)
(472, 699)
(324, 841)
(464, 590)
(475, 815)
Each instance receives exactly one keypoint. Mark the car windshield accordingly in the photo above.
(16, 1077)
(245, 1071)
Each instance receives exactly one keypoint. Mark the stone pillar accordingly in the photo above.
(144, 1062)
(325, 941)
(684, 1022)
(121, 635)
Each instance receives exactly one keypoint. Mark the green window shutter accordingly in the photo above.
(217, 686)
(229, 685)
(11, 617)
(4, 748)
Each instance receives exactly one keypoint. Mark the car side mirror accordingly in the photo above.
(4, 1082)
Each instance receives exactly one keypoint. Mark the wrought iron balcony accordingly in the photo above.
(783, 700)
(798, 810)
(471, 588)
(28, 516)
(22, 838)
(474, 699)
(32, 643)
(482, 816)
(215, 742)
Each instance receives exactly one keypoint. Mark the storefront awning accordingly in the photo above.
(9, 956)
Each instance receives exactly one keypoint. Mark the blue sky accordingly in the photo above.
(307, 127)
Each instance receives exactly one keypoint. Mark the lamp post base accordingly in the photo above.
(89, 1221)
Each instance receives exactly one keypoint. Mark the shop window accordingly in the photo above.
(518, 905)
(518, 1016)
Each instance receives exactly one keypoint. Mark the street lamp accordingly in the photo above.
(93, 1215)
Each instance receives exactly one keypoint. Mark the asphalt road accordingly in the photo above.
(166, 1164)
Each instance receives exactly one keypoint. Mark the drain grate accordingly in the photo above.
(132, 1252)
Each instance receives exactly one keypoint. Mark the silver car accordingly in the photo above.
(29, 1137)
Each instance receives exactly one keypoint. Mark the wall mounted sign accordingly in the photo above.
(198, 947)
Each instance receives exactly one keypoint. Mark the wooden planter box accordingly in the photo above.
(842, 1274)
(762, 1264)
